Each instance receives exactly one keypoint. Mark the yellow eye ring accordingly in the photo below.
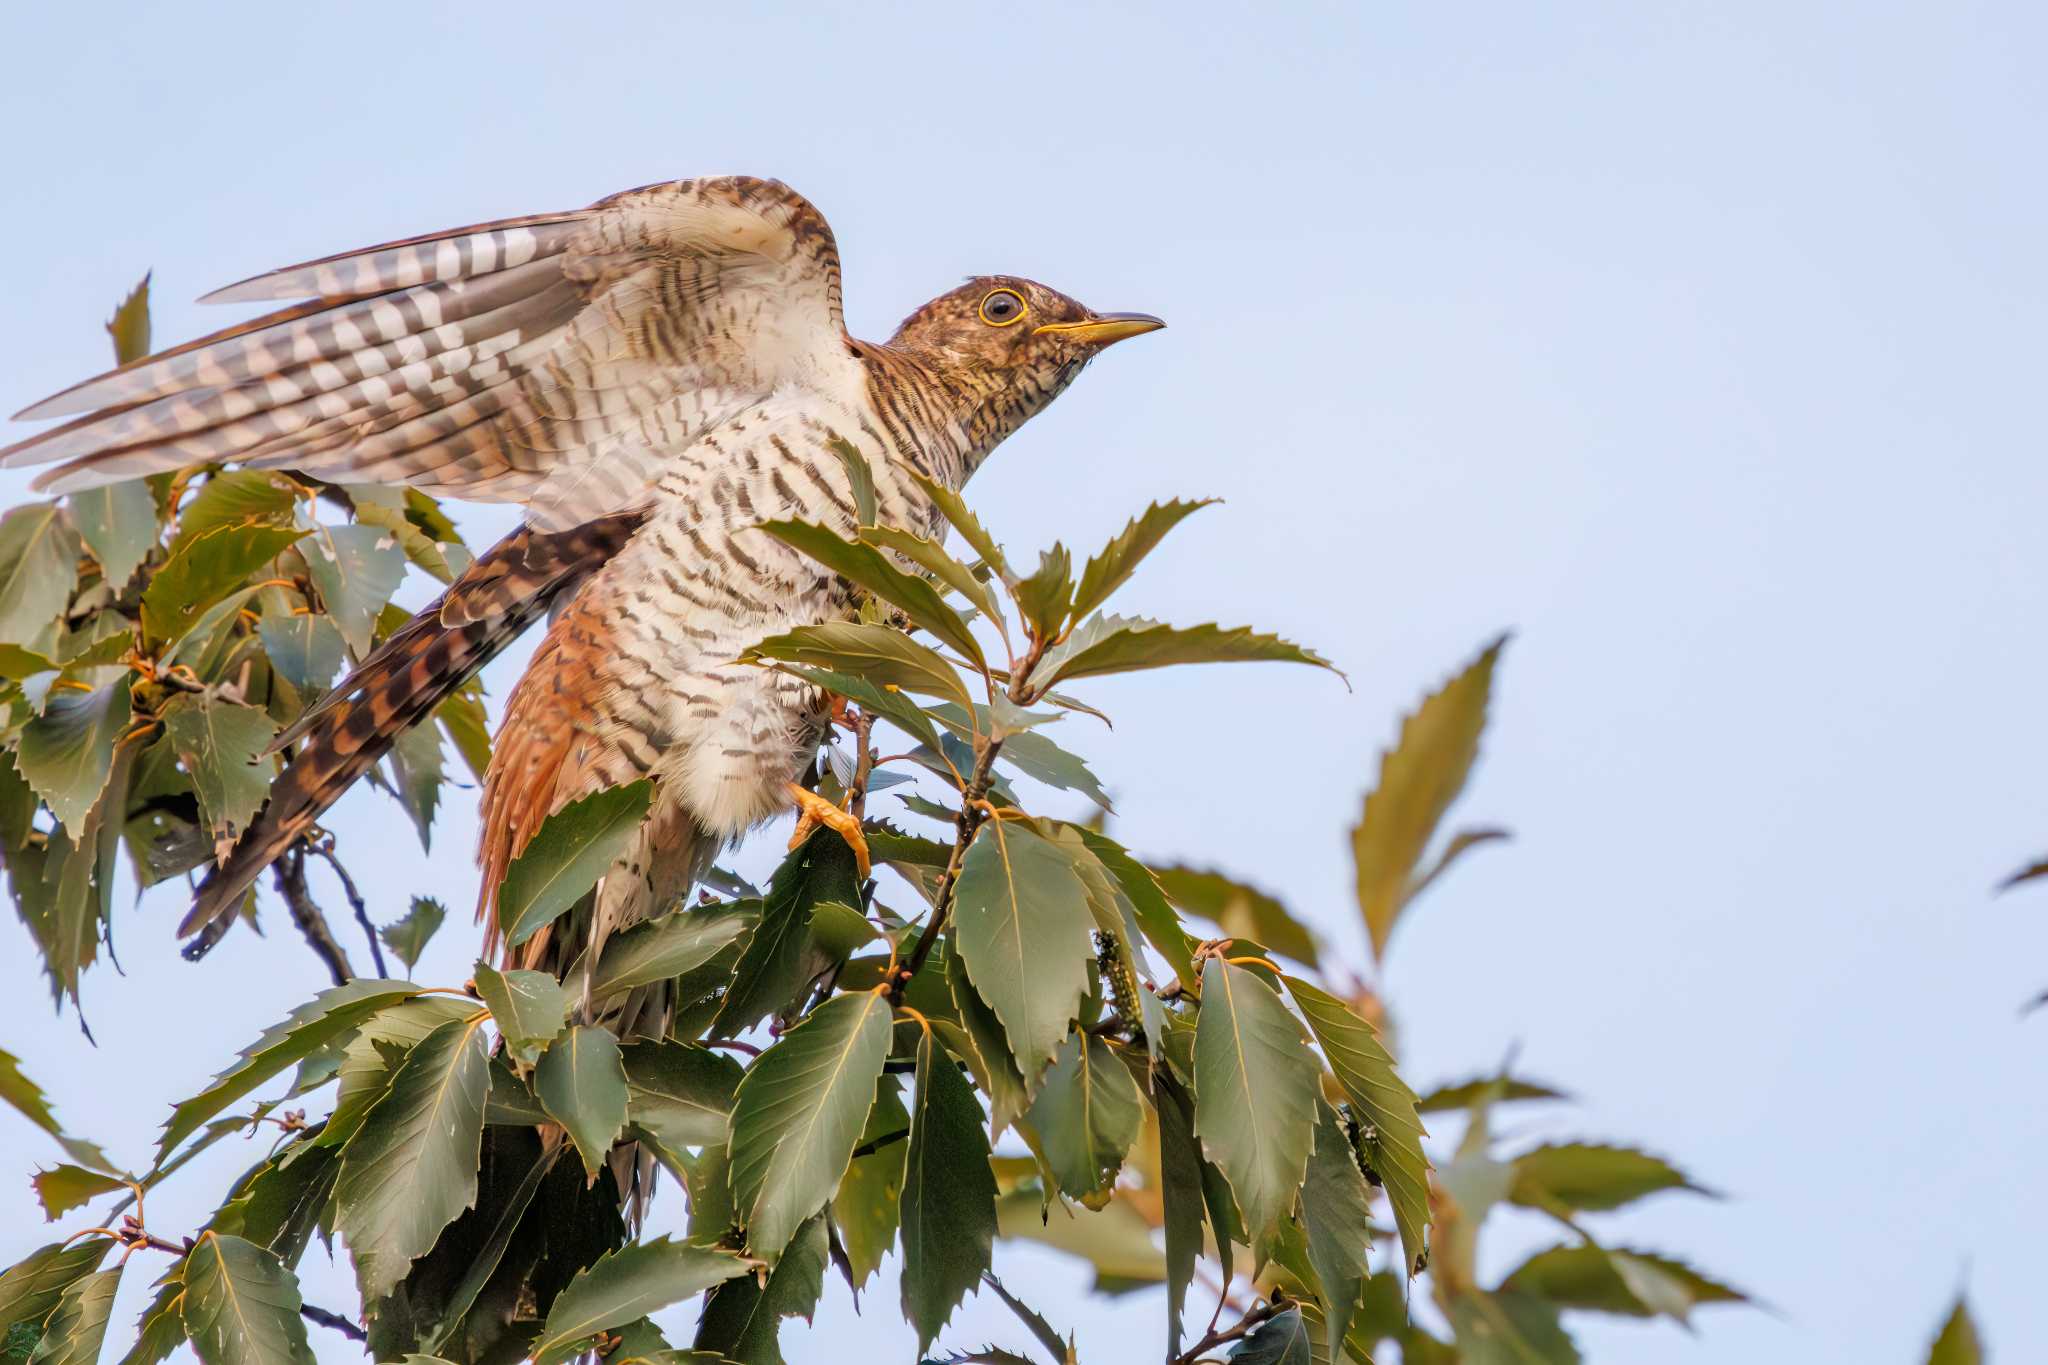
(1003, 308)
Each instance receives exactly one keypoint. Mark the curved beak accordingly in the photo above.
(1104, 328)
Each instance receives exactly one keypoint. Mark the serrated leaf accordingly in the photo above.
(1180, 1191)
(1087, 1114)
(118, 524)
(204, 570)
(391, 517)
(867, 567)
(27, 1099)
(742, 1322)
(408, 936)
(627, 1284)
(223, 747)
(280, 1204)
(868, 1207)
(356, 569)
(1336, 1213)
(1128, 644)
(1957, 1344)
(1419, 779)
(949, 1195)
(775, 965)
(305, 649)
(75, 1331)
(581, 1082)
(411, 1168)
(38, 569)
(1022, 926)
(530, 1009)
(66, 753)
(798, 1114)
(567, 854)
(668, 947)
(128, 329)
(883, 655)
(239, 498)
(1043, 598)
(372, 1055)
(30, 1289)
(677, 1094)
(62, 1188)
(1603, 1280)
(956, 511)
(241, 1306)
(1255, 1092)
(1379, 1099)
(1462, 1094)
(891, 706)
(986, 1049)
(161, 1328)
(1240, 911)
(1593, 1177)
(1280, 1340)
(1113, 565)
(416, 769)
(860, 478)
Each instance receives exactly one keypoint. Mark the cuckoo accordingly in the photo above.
(651, 377)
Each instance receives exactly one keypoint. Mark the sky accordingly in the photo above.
(1698, 345)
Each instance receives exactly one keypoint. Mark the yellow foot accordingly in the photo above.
(813, 810)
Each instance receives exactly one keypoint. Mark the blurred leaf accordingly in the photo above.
(239, 498)
(1462, 1094)
(1957, 1344)
(38, 569)
(529, 1008)
(325, 1017)
(581, 1082)
(1508, 1329)
(356, 569)
(1419, 779)
(412, 1166)
(678, 1094)
(1461, 843)
(305, 649)
(241, 1306)
(869, 1203)
(1592, 1178)
(1115, 563)
(2025, 874)
(1022, 926)
(1115, 1239)
(64, 1187)
(949, 1196)
(418, 546)
(1124, 644)
(741, 1322)
(118, 524)
(662, 949)
(1280, 1340)
(1632, 1283)
(883, 655)
(75, 1331)
(869, 568)
(776, 963)
(1061, 1348)
(416, 764)
(1255, 1092)
(222, 745)
(567, 854)
(1382, 1103)
(67, 752)
(629, 1283)
(1087, 1113)
(1240, 911)
(205, 570)
(468, 727)
(407, 938)
(798, 1113)
(1336, 1213)
(1043, 599)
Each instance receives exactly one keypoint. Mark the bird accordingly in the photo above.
(651, 377)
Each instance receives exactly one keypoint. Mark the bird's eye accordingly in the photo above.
(1002, 307)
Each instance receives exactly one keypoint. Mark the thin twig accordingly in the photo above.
(864, 762)
(325, 848)
(290, 874)
(1242, 1327)
(326, 1318)
(870, 1148)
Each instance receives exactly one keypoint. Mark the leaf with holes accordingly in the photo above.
(206, 569)
(305, 649)
(356, 569)
(118, 524)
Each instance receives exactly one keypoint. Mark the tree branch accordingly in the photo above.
(1242, 1327)
(325, 848)
(290, 874)
(326, 1318)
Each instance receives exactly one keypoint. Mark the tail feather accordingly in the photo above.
(418, 667)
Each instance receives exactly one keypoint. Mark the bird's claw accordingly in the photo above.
(813, 810)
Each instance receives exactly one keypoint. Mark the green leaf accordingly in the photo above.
(161, 1329)
(38, 569)
(356, 569)
(867, 567)
(1381, 1102)
(742, 1323)
(1022, 926)
(1044, 598)
(305, 649)
(118, 524)
(529, 1008)
(1508, 1329)
(63, 1188)
(325, 1017)
(679, 1095)
(930, 556)
(206, 569)
(31, 1288)
(1033, 1320)
(1115, 1239)
(412, 1166)
(1336, 1213)
(955, 511)
(1113, 566)
(567, 854)
(468, 727)
(128, 329)
(222, 746)
(860, 476)
(1087, 1115)
(1636, 1284)
(869, 1203)
(419, 547)
(1180, 1189)
(627, 1284)
(1462, 1094)
(407, 938)
(1125, 644)
(883, 655)
(798, 1114)
(890, 706)
(986, 1048)
(1957, 1344)
(371, 1057)
(949, 1195)
(1155, 915)
(239, 498)
(1256, 1084)
(776, 963)
(280, 1205)
(1240, 911)
(581, 1082)
(416, 766)
(1419, 779)
(1592, 1178)
(67, 752)
(28, 1100)
(242, 1306)
(665, 948)
(75, 1331)
(1280, 1340)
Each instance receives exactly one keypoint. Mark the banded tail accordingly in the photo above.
(398, 686)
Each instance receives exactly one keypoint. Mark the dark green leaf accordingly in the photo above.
(412, 1166)
(161, 1329)
(371, 1057)
(1021, 924)
(581, 1082)
(869, 568)
(671, 946)
(407, 938)
(567, 855)
(67, 752)
(627, 1284)
(1419, 779)
(1632, 1283)
(63, 1188)
(356, 569)
(529, 1008)
(1256, 1084)
(282, 1202)
(1087, 1115)
(118, 524)
(30, 1288)
(986, 1048)
(1336, 1212)
(1047, 1335)
(867, 1208)
(883, 655)
(38, 569)
(1240, 911)
(1280, 1340)
(677, 1094)
(222, 746)
(890, 706)
(75, 1331)
(1957, 1344)
(416, 768)
(1113, 566)
(1126, 644)
(775, 965)
(1180, 1189)
(206, 569)
(1592, 1178)
(305, 649)
(242, 1306)
(949, 1195)
(741, 1323)
(798, 1114)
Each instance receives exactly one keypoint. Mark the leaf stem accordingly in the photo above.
(1215, 1337)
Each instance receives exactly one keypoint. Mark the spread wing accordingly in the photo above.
(553, 360)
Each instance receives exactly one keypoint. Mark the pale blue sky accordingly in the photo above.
(1699, 344)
